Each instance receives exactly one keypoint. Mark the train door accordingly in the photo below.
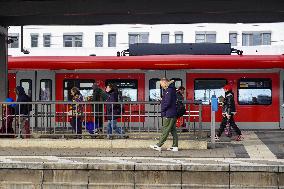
(281, 100)
(154, 92)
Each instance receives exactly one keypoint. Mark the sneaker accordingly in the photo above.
(217, 138)
(155, 147)
(109, 137)
(173, 149)
(239, 138)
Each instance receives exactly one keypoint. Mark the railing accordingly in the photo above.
(56, 119)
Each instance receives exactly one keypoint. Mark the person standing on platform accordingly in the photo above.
(98, 96)
(76, 112)
(169, 114)
(228, 112)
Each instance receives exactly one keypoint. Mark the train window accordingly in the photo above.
(128, 88)
(254, 91)
(155, 90)
(45, 93)
(178, 82)
(27, 85)
(205, 88)
(84, 85)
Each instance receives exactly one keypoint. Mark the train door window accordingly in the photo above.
(155, 90)
(254, 91)
(128, 88)
(45, 93)
(178, 82)
(27, 85)
(205, 88)
(84, 85)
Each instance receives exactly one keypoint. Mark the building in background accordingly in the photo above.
(106, 40)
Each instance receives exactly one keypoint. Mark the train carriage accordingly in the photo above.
(257, 81)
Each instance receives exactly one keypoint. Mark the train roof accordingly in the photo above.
(153, 62)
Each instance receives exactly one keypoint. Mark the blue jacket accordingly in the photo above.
(168, 104)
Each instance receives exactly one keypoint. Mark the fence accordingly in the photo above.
(90, 118)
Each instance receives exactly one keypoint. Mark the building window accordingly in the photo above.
(233, 39)
(254, 91)
(72, 40)
(205, 37)
(27, 85)
(112, 40)
(84, 85)
(179, 38)
(205, 88)
(34, 40)
(256, 38)
(46, 40)
(165, 38)
(127, 88)
(99, 40)
(45, 90)
(14, 40)
(138, 38)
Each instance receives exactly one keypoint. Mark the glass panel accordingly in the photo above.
(67, 43)
(46, 40)
(164, 38)
(15, 43)
(200, 38)
(211, 38)
(233, 39)
(254, 91)
(112, 40)
(78, 43)
(179, 38)
(154, 90)
(266, 39)
(34, 40)
(45, 90)
(27, 85)
(257, 37)
(99, 41)
(205, 88)
(67, 37)
(133, 38)
(144, 38)
(128, 88)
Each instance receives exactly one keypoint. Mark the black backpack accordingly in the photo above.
(180, 109)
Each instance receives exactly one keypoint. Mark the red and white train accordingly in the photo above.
(257, 80)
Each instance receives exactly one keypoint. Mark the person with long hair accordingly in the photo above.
(76, 112)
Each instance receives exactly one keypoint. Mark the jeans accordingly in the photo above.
(77, 128)
(112, 126)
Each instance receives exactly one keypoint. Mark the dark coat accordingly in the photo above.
(98, 96)
(168, 104)
(22, 97)
(115, 110)
(229, 103)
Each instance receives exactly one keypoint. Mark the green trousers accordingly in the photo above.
(169, 125)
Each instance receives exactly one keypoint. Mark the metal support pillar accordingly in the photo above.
(3, 63)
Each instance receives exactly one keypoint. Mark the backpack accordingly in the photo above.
(180, 109)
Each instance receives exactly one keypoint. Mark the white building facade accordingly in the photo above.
(106, 40)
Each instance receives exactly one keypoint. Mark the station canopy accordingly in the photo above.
(95, 12)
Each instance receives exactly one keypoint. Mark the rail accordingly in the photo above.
(94, 119)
